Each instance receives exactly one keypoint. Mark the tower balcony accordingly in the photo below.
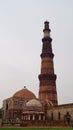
(47, 77)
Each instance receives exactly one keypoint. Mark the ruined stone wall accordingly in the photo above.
(59, 112)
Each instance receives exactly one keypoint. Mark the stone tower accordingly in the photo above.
(47, 78)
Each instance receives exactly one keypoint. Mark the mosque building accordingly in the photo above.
(44, 110)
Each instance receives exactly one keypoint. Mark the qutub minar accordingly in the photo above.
(27, 110)
(47, 78)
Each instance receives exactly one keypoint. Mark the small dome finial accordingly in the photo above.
(24, 86)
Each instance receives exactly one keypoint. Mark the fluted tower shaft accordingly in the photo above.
(47, 78)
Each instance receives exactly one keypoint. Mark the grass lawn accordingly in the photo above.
(36, 128)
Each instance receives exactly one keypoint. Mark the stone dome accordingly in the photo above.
(24, 93)
(34, 103)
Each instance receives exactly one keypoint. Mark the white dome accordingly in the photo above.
(33, 103)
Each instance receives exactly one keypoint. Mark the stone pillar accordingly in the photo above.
(43, 117)
(39, 117)
(28, 117)
(24, 117)
(33, 118)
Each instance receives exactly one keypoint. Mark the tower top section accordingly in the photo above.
(46, 32)
(46, 26)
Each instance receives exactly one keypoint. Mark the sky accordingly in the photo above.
(21, 32)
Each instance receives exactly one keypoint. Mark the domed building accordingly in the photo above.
(34, 110)
(14, 106)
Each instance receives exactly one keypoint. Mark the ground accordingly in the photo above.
(7, 128)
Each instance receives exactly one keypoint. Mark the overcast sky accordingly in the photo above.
(21, 31)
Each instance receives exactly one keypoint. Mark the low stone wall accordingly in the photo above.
(59, 112)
